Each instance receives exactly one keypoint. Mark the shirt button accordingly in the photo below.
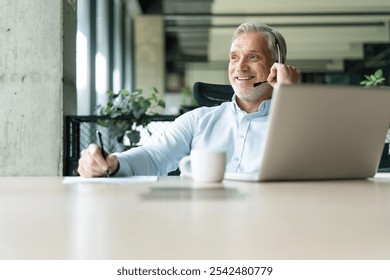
(242, 136)
(236, 159)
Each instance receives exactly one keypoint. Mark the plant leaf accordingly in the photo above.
(137, 92)
(381, 80)
(378, 73)
(134, 136)
(124, 92)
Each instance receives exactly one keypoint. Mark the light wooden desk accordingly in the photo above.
(40, 218)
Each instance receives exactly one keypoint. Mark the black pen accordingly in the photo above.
(99, 136)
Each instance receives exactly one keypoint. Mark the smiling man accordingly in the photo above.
(257, 57)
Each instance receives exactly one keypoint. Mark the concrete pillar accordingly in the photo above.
(36, 87)
(149, 53)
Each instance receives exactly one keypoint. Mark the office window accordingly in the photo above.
(104, 50)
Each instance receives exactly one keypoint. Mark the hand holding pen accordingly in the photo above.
(99, 136)
(94, 162)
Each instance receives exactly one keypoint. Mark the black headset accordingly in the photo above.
(280, 59)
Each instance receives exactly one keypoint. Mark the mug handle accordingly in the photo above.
(185, 166)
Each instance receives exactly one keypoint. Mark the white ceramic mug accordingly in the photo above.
(204, 166)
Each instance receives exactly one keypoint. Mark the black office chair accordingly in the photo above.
(206, 94)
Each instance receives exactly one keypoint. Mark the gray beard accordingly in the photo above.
(249, 96)
(254, 94)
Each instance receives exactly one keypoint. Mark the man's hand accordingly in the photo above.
(92, 163)
(282, 74)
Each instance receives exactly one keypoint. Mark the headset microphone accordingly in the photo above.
(258, 83)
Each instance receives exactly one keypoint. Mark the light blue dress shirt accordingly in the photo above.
(222, 128)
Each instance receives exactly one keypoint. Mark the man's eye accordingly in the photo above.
(233, 57)
(254, 57)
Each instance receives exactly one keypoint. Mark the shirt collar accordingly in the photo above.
(262, 111)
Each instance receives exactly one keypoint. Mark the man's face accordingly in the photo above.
(250, 62)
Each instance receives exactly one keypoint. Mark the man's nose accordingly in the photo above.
(243, 65)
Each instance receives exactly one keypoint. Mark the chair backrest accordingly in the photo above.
(206, 94)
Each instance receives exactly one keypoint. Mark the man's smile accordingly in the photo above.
(245, 78)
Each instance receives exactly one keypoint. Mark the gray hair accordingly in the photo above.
(273, 36)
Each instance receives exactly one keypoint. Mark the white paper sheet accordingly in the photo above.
(110, 180)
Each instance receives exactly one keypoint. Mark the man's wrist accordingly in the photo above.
(115, 170)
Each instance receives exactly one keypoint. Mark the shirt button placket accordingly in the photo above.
(239, 147)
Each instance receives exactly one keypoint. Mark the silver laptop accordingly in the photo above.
(323, 132)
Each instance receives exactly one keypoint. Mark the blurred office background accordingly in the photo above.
(58, 57)
(171, 44)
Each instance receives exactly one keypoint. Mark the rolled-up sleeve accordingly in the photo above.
(164, 154)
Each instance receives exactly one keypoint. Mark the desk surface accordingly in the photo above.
(42, 218)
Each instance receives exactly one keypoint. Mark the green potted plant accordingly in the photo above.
(132, 105)
(373, 80)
